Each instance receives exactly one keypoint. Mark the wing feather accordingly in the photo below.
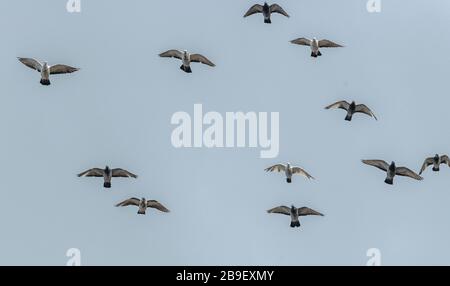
(304, 211)
(253, 10)
(280, 210)
(380, 164)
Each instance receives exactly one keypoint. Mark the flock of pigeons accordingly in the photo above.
(187, 58)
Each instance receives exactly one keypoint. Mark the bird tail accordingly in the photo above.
(389, 181)
(436, 169)
(348, 117)
(289, 180)
(142, 212)
(45, 81)
(314, 55)
(267, 21)
(107, 185)
(319, 53)
(295, 223)
(186, 68)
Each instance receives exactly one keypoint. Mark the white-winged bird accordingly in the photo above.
(143, 204)
(315, 45)
(46, 70)
(186, 59)
(289, 171)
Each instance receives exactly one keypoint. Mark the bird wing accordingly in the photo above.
(426, 163)
(403, 171)
(275, 8)
(94, 172)
(280, 210)
(253, 10)
(445, 160)
(380, 164)
(157, 205)
(129, 202)
(31, 63)
(276, 168)
(298, 170)
(302, 41)
(340, 104)
(304, 211)
(59, 69)
(328, 44)
(122, 173)
(197, 58)
(362, 108)
(172, 54)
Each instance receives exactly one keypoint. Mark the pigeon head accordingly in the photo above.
(392, 166)
(265, 4)
(436, 156)
(107, 169)
(292, 208)
(143, 200)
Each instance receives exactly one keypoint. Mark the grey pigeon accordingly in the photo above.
(294, 213)
(392, 170)
(107, 174)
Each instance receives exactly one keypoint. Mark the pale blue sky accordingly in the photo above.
(117, 111)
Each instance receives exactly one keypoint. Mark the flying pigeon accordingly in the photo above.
(294, 213)
(391, 170)
(107, 174)
(143, 205)
(315, 45)
(187, 59)
(352, 108)
(435, 161)
(289, 171)
(47, 70)
(266, 10)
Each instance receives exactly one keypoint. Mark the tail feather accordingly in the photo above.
(186, 68)
(267, 21)
(45, 81)
(389, 181)
(295, 223)
(348, 117)
(289, 180)
(107, 185)
(436, 169)
(319, 53)
(314, 55)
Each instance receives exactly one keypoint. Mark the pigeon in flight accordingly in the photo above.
(391, 170)
(187, 59)
(266, 10)
(435, 161)
(46, 70)
(107, 174)
(143, 205)
(294, 213)
(315, 45)
(352, 108)
(289, 171)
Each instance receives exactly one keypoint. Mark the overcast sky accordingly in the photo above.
(117, 109)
